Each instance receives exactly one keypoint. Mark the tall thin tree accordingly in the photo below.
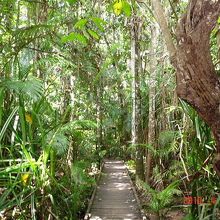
(136, 100)
(152, 99)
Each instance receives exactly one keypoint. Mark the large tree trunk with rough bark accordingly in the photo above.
(197, 80)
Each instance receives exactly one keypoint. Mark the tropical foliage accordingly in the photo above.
(68, 99)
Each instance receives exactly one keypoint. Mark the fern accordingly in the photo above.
(166, 138)
(161, 199)
(167, 143)
(79, 175)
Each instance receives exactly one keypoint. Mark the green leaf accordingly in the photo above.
(99, 22)
(81, 23)
(32, 87)
(198, 125)
(74, 37)
(81, 124)
(58, 142)
(126, 8)
(2, 132)
(81, 38)
(64, 39)
(93, 34)
(86, 34)
(71, 2)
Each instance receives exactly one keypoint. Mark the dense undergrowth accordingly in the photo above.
(67, 101)
(44, 182)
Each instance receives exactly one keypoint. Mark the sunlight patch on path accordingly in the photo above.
(114, 198)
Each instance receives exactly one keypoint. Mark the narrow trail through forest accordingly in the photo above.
(114, 198)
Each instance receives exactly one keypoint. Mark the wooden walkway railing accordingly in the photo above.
(115, 197)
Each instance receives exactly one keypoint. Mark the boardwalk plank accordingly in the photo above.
(114, 198)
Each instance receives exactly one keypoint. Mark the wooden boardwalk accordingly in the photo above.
(114, 197)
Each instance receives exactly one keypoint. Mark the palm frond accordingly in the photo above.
(2, 131)
(58, 142)
(167, 137)
(78, 173)
(32, 87)
(161, 199)
(81, 125)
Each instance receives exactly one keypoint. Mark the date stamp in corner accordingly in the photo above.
(198, 200)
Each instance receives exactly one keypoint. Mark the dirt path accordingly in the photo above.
(114, 198)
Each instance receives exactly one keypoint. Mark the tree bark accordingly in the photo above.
(41, 18)
(162, 21)
(152, 101)
(99, 110)
(136, 100)
(197, 80)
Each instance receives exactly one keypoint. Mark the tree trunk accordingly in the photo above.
(68, 105)
(136, 101)
(152, 101)
(123, 116)
(162, 21)
(99, 112)
(41, 18)
(197, 80)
